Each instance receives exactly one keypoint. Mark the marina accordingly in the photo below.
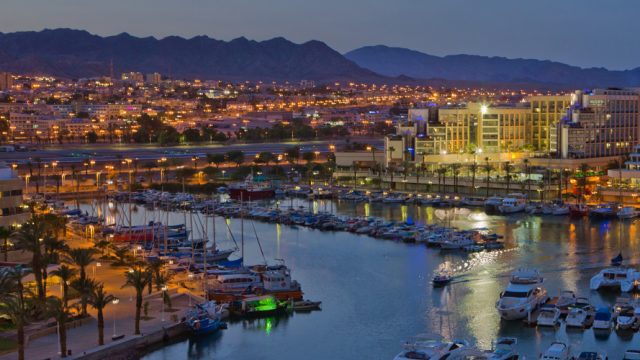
(567, 252)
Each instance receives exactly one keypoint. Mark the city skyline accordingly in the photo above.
(568, 35)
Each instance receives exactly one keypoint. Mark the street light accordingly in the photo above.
(164, 289)
(115, 302)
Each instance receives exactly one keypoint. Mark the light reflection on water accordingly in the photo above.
(377, 293)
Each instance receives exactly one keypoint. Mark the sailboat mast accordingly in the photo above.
(242, 229)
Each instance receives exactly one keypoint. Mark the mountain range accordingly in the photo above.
(76, 53)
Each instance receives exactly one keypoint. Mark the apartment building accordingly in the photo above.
(12, 212)
(546, 113)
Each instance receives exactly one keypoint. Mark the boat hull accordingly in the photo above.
(250, 195)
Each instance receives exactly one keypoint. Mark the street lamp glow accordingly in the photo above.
(484, 109)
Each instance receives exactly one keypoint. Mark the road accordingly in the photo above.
(79, 153)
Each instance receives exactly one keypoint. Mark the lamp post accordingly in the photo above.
(114, 302)
(164, 289)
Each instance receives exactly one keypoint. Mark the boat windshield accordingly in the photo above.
(515, 294)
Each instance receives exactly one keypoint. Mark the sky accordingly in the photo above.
(587, 33)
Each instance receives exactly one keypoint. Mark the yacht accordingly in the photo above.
(513, 203)
(627, 212)
(615, 277)
(602, 320)
(426, 349)
(503, 349)
(523, 295)
(567, 298)
(472, 201)
(592, 355)
(548, 316)
(631, 354)
(625, 318)
(557, 351)
(604, 211)
(560, 210)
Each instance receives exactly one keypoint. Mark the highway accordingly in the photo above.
(104, 153)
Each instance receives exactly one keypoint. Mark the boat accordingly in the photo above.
(592, 355)
(428, 349)
(513, 203)
(265, 305)
(504, 349)
(560, 210)
(567, 298)
(578, 210)
(524, 294)
(472, 201)
(578, 317)
(253, 188)
(492, 204)
(604, 211)
(617, 261)
(205, 318)
(631, 354)
(615, 277)
(627, 212)
(306, 305)
(557, 351)
(602, 319)
(549, 316)
(625, 317)
(442, 279)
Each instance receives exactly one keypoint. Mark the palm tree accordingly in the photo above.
(66, 275)
(81, 258)
(99, 299)
(473, 168)
(154, 268)
(29, 238)
(507, 168)
(61, 313)
(5, 234)
(442, 171)
(138, 279)
(16, 302)
(527, 168)
(488, 168)
(584, 168)
(455, 170)
(84, 287)
(51, 255)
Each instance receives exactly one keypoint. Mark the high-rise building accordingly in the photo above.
(546, 113)
(6, 81)
(154, 78)
(134, 77)
(12, 213)
(600, 123)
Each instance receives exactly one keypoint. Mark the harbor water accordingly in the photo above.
(376, 294)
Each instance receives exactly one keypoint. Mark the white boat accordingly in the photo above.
(577, 317)
(456, 243)
(548, 316)
(523, 295)
(631, 354)
(492, 204)
(513, 203)
(615, 277)
(428, 349)
(567, 298)
(627, 212)
(502, 349)
(557, 351)
(602, 319)
(560, 210)
(625, 318)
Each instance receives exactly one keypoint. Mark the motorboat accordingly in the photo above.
(625, 317)
(442, 279)
(523, 295)
(592, 355)
(604, 211)
(602, 319)
(615, 277)
(560, 210)
(578, 317)
(502, 349)
(567, 298)
(472, 201)
(631, 354)
(557, 351)
(578, 210)
(306, 305)
(428, 349)
(205, 318)
(513, 203)
(627, 212)
(548, 316)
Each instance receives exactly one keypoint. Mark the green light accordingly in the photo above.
(265, 304)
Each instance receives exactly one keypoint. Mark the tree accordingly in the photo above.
(16, 302)
(488, 168)
(92, 137)
(138, 279)
(265, 157)
(216, 159)
(99, 299)
(66, 275)
(455, 170)
(292, 154)
(442, 171)
(582, 180)
(61, 313)
(528, 172)
(235, 156)
(29, 238)
(507, 168)
(5, 234)
(154, 269)
(81, 258)
(308, 156)
(473, 168)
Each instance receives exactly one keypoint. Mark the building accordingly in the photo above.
(34, 126)
(12, 212)
(601, 123)
(132, 77)
(6, 81)
(154, 78)
(546, 113)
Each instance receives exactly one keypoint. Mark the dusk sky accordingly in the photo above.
(581, 32)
